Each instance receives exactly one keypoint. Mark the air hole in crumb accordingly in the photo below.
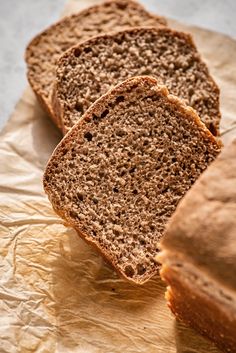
(142, 242)
(104, 113)
(88, 136)
(123, 173)
(115, 189)
(80, 196)
(121, 6)
(111, 105)
(155, 98)
(132, 170)
(147, 72)
(141, 269)
(79, 107)
(64, 152)
(94, 233)
(95, 117)
(73, 214)
(135, 192)
(119, 40)
(77, 52)
(87, 50)
(174, 160)
(120, 99)
(129, 271)
(95, 200)
(113, 68)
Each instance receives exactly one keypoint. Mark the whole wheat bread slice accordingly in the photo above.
(118, 175)
(45, 49)
(88, 70)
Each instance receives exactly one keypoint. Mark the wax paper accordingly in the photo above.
(57, 294)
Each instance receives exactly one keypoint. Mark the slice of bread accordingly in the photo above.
(87, 71)
(118, 175)
(45, 49)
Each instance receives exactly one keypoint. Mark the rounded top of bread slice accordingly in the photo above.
(119, 173)
(88, 70)
(46, 48)
(202, 231)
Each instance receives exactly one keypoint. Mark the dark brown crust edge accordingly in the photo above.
(97, 108)
(47, 104)
(57, 103)
(199, 311)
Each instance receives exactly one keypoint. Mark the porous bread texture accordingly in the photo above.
(88, 70)
(198, 253)
(119, 173)
(46, 48)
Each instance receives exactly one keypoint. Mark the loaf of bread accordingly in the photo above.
(199, 254)
(88, 70)
(45, 49)
(119, 173)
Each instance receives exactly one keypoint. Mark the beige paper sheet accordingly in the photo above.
(57, 294)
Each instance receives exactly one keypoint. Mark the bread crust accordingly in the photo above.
(97, 109)
(44, 101)
(200, 311)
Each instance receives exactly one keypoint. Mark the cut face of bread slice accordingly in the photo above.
(119, 174)
(199, 253)
(87, 71)
(45, 49)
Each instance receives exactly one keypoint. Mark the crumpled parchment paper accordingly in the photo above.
(57, 294)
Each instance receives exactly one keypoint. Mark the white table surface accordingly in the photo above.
(20, 20)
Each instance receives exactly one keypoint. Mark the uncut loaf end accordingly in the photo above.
(198, 254)
(46, 48)
(118, 175)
